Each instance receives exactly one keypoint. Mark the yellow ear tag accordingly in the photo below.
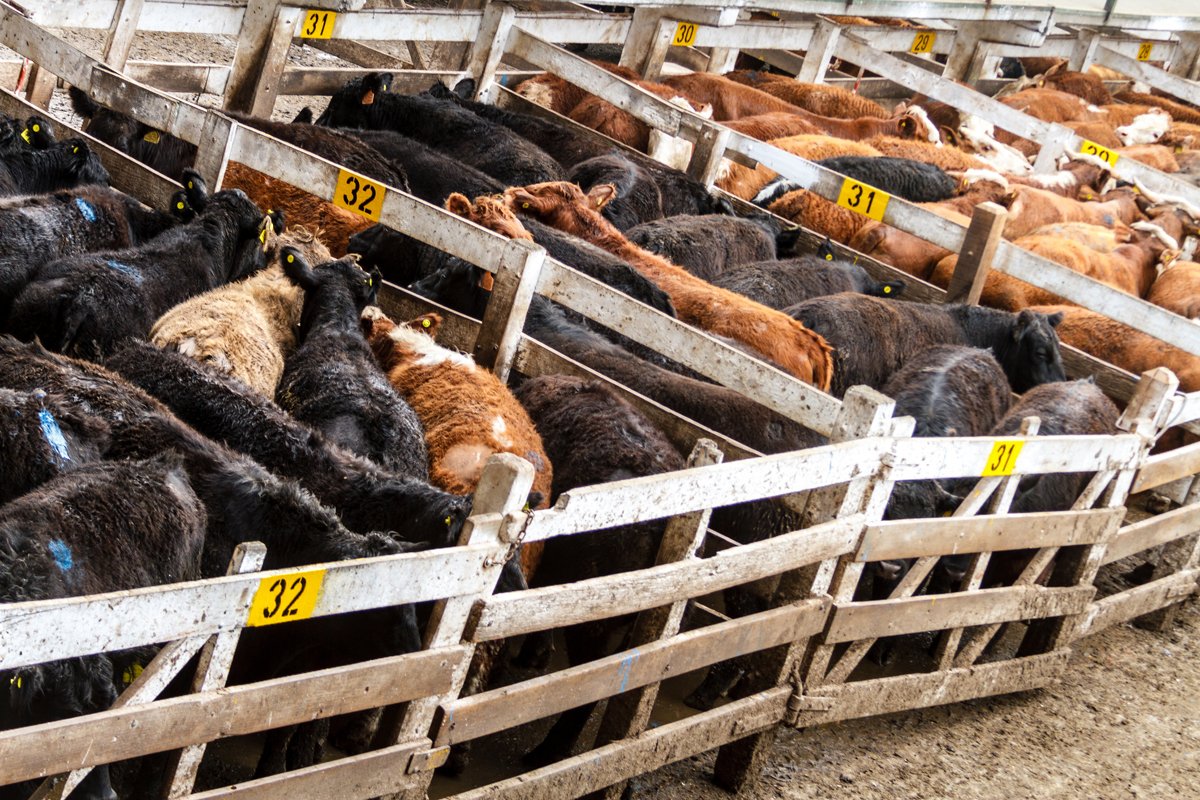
(524, 205)
(131, 674)
(1178, 148)
(74, 149)
(383, 88)
(15, 681)
(887, 290)
(829, 257)
(291, 258)
(448, 521)
(152, 137)
(425, 323)
(947, 513)
(262, 237)
(25, 136)
(37, 128)
(180, 205)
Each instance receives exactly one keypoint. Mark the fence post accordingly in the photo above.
(488, 49)
(1077, 566)
(978, 250)
(39, 87)
(212, 151)
(216, 657)
(628, 714)
(642, 29)
(121, 32)
(261, 55)
(512, 292)
(162, 669)
(1086, 43)
(1187, 61)
(865, 412)
(707, 152)
(966, 40)
(821, 48)
(449, 56)
(722, 59)
(503, 490)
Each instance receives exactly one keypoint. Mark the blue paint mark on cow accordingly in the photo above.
(86, 209)
(54, 435)
(62, 555)
(626, 666)
(127, 270)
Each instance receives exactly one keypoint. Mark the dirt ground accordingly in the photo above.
(1124, 723)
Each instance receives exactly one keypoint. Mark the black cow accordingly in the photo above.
(43, 437)
(68, 223)
(59, 166)
(638, 197)
(105, 527)
(784, 283)
(365, 103)
(366, 497)
(333, 383)
(708, 245)
(872, 337)
(570, 144)
(86, 304)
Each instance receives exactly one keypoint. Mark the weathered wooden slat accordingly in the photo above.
(953, 535)
(1127, 605)
(723, 363)
(374, 774)
(41, 750)
(889, 695)
(966, 456)
(599, 598)
(1166, 467)
(873, 619)
(507, 707)
(653, 497)
(46, 630)
(657, 747)
(1153, 532)
(1182, 88)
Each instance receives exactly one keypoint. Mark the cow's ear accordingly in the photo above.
(949, 135)
(465, 88)
(297, 269)
(458, 204)
(1055, 318)
(601, 195)
(906, 124)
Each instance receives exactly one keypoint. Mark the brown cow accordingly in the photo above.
(769, 333)
(1178, 289)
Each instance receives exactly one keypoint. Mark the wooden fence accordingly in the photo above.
(803, 653)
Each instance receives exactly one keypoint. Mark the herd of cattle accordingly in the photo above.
(175, 383)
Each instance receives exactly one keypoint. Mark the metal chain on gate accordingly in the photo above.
(514, 543)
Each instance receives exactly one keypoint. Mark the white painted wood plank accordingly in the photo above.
(513, 613)
(45, 630)
(656, 496)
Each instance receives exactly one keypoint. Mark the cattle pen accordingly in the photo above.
(803, 653)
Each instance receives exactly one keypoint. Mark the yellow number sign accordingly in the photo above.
(1003, 458)
(923, 42)
(317, 24)
(863, 199)
(285, 598)
(1105, 154)
(358, 194)
(685, 35)
(1144, 51)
